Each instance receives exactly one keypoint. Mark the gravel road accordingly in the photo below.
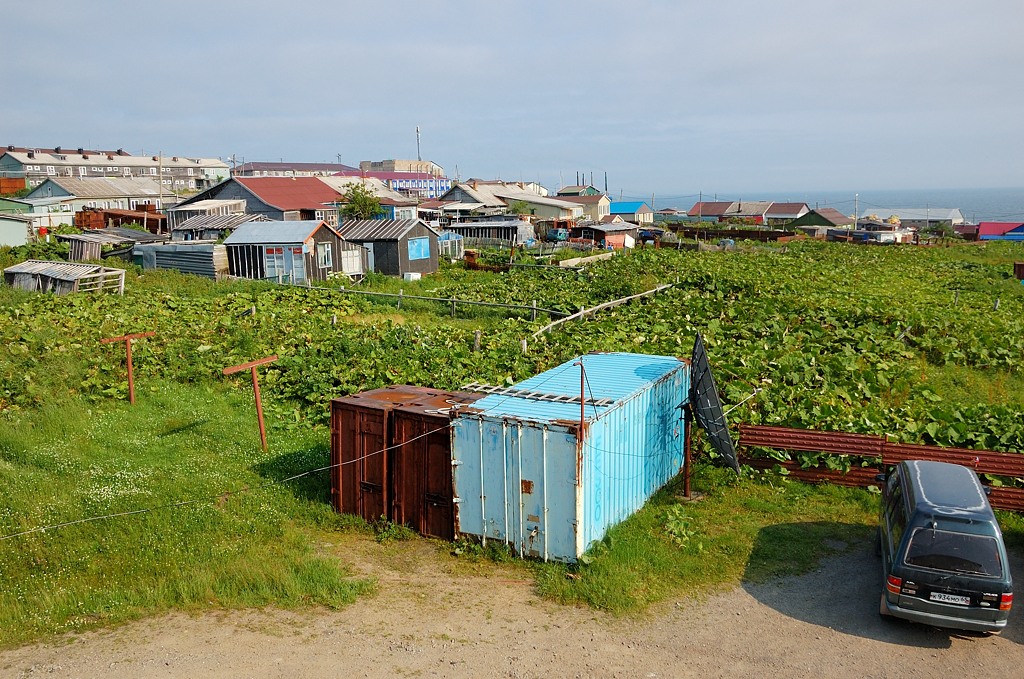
(425, 622)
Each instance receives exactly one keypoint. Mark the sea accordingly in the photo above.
(976, 205)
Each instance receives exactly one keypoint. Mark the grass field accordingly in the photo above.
(198, 515)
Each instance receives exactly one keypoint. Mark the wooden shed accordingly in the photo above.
(62, 278)
(395, 247)
(299, 252)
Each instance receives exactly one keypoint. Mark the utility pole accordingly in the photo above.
(418, 157)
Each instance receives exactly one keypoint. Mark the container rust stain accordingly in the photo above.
(527, 486)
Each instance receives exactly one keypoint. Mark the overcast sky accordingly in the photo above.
(667, 97)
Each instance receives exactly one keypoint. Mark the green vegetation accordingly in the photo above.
(737, 530)
(222, 532)
(361, 203)
(907, 342)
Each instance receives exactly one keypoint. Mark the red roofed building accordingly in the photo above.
(278, 198)
(707, 211)
(1001, 231)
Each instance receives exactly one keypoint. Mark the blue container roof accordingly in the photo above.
(614, 376)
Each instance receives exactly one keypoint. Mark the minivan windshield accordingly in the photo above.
(951, 551)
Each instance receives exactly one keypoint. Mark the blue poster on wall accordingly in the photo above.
(419, 248)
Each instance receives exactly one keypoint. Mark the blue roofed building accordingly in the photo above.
(632, 211)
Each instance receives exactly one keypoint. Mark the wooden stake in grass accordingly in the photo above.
(252, 365)
(127, 339)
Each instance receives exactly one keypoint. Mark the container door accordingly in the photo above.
(437, 517)
(371, 465)
(358, 482)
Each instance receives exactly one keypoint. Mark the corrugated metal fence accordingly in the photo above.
(878, 453)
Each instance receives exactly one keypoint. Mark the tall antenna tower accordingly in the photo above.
(418, 157)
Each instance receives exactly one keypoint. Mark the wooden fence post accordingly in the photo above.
(252, 365)
(127, 339)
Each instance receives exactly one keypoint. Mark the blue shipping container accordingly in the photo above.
(525, 473)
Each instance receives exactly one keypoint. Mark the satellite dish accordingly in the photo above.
(707, 407)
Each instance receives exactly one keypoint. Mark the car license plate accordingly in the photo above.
(950, 598)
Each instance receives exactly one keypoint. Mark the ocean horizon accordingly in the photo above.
(977, 205)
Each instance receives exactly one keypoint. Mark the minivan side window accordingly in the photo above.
(897, 512)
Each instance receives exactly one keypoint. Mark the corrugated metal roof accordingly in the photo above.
(259, 233)
(379, 229)
(291, 193)
(211, 204)
(709, 208)
(835, 216)
(748, 208)
(113, 236)
(342, 184)
(786, 210)
(615, 376)
(997, 228)
(217, 222)
(105, 187)
(65, 271)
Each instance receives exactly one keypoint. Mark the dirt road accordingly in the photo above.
(425, 622)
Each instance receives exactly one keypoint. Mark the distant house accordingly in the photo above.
(276, 198)
(1001, 231)
(422, 185)
(922, 219)
(395, 247)
(817, 222)
(709, 211)
(211, 227)
(116, 193)
(299, 252)
(614, 235)
(283, 169)
(784, 213)
(595, 207)
(206, 208)
(393, 204)
(508, 229)
(175, 173)
(753, 211)
(495, 197)
(578, 190)
(669, 214)
(632, 211)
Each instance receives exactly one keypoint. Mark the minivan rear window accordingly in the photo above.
(957, 552)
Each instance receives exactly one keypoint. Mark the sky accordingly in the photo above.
(671, 99)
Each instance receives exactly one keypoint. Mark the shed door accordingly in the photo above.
(296, 265)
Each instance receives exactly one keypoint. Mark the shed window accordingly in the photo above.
(323, 255)
(419, 248)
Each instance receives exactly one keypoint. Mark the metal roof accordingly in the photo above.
(709, 208)
(105, 187)
(786, 209)
(113, 236)
(65, 271)
(298, 167)
(998, 228)
(627, 207)
(211, 204)
(274, 232)
(614, 376)
(379, 229)
(933, 214)
(342, 184)
(220, 222)
(748, 208)
(291, 193)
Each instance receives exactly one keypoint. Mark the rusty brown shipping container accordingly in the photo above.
(1018, 271)
(423, 492)
(391, 456)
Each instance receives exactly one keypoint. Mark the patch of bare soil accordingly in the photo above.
(435, 616)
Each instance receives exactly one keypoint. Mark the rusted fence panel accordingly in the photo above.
(888, 453)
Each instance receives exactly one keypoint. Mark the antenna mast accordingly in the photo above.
(418, 157)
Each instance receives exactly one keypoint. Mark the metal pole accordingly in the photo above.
(686, 453)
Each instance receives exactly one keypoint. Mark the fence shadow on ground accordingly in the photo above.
(312, 487)
(842, 593)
